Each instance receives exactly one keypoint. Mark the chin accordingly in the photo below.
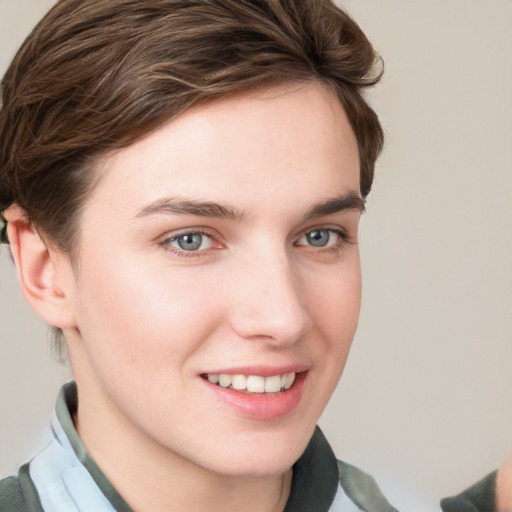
(254, 468)
(263, 455)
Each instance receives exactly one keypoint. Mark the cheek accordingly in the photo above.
(143, 318)
(336, 297)
(335, 310)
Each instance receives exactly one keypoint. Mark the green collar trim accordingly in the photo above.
(362, 489)
(66, 407)
(315, 477)
(480, 497)
(19, 494)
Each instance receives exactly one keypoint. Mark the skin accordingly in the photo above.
(504, 487)
(143, 319)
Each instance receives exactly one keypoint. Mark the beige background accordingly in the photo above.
(425, 403)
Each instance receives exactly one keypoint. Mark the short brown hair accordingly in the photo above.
(98, 75)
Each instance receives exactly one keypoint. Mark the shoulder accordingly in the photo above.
(18, 494)
(478, 498)
(362, 489)
(11, 497)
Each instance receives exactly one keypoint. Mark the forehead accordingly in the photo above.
(245, 148)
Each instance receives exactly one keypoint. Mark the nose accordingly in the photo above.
(269, 301)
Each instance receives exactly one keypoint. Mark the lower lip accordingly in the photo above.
(262, 406)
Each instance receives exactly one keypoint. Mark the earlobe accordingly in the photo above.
(40, 271)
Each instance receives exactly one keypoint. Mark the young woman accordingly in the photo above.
(182, 183)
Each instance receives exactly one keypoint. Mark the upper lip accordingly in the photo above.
(261, 370)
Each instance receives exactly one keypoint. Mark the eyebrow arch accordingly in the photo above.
(348, 201)
(190, 207)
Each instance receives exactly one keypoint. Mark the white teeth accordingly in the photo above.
(290, 379)
(213, 378)
(253, 383)
(273, 384)
(225, 380)
(239, 382)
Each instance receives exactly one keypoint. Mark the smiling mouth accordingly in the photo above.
(252, 384)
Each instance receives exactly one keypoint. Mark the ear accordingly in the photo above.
(45, 275)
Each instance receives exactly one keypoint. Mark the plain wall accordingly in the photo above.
(425, 401)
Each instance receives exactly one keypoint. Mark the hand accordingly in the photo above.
(504, 487)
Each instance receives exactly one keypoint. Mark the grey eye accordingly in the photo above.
(318, 237)
(190, 241)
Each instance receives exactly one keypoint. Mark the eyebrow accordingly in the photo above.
(176, 206)
(348, 201)
(190, 207)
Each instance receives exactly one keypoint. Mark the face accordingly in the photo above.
(217, 288)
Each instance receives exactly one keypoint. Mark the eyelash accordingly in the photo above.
(343, 239)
